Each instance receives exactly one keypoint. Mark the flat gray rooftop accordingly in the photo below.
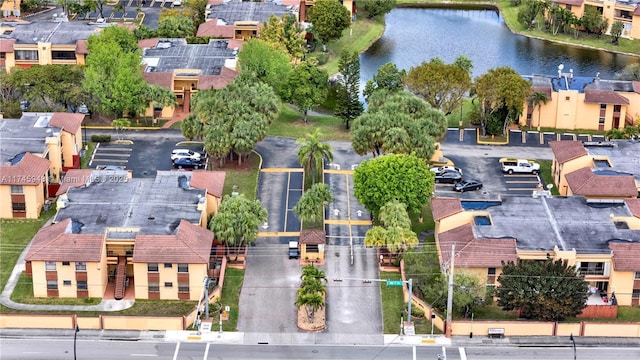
(155, 206)
(26, 134)
(237, 10)
(569, 223)
(63, 33)
(624, 155)
(171, 54)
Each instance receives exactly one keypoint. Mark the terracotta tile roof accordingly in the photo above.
(81, 47)
(472, 252)
(226, 77)
(637, 10)
(636, 84)
(215, 2)
(290, 2)
(69, 122)
(545, 90)
(634, 206)
(569, 2)
(566, 150)
(604, 97)
(312, 237)
(31, 170)
(148, 43)
(235, 43)
(444, 207)
(6, 45)
(212, 181)
(57, 243)
(190, 245)
(585, 182)
(625, 255)
(74, 178)
(212, 28)
(158, 78)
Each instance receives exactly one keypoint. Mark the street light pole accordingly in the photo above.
(574, 345)
(75, 336)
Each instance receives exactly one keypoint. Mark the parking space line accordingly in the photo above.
(347, 222)
(111, 160)
(117, 155)
(523, 189)
(518, 175)
(116, 148)
(523, 182)
(286, 201)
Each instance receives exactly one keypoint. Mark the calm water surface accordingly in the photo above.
(416, 35)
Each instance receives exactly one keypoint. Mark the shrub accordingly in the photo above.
(100, 138)
(322, 58)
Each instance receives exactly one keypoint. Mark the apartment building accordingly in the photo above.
(115, 235)
(625, 11)
(601, 240)
(25, 44)
(35, 151)
(587, 103)
(596, 170)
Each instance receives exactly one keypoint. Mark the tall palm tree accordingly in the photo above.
(538, 99)
(312, 286)
(313, 153)
(311, 302)
(310, 206)
(313, 272)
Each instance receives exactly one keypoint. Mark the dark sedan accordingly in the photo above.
(448, 177)
(188, 163)
(467, 185)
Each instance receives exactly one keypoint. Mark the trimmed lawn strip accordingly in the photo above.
(290, 125)
(233, 279)
(545, 172)
(87, 155)
(427, 220)
(246, 179)
(392, 303)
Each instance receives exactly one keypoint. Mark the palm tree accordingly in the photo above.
(312, 286)
(311, 302)
(313, 153)
(376, 237)
(313, 272)
(394, 213)
(309, 207)
(538, 99)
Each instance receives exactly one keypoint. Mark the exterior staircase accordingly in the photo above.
(121, 277)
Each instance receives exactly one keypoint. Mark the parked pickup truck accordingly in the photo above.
(294, 250)
(511, 166)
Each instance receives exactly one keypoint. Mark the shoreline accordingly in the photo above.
(496, 7)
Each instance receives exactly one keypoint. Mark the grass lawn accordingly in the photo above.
(493, 312)
(545, 172)
(427, 220)
(23, 293)
(453, 119)
(87, 155)
(392, 303)
(246, 178)
(289, 124)
(158, 308)
(362, 33)
(233, 279)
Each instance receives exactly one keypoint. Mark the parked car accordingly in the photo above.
(185, 153)
(437, 169)
(511, 166)
(467, 185)
(188, 163)
(448, 177)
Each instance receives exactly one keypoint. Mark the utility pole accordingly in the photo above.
(450, 291)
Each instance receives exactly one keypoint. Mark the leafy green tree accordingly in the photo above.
(271, 66)
(538, 99)
(121, 125)
(421, 265)
(593, 21)
(529, 12)
(159, 96)
(394, 214)
(501, 93)
(113, 75)
(310, 271)
(405, 178)
(398, 123)
(311, 205)
(196, 10)
(548, 290)
(442, 86)
(284, 34)
(388, 77)
(631, 72)
(348, 105)
(306, 86)
(378, 7)
(464, 63)
(329, 18)
(50, 87)
(192, 127)
(312, 155)
(469, 292)
(178, 26)
(311, 302)
(616, 31)
(395, 232)
(238, 220)
(236, 117)
(312, 290)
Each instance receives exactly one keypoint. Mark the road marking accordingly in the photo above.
(206, 352)
(333, 171)
(116, 148)
(95, 150)
(444, 352)
(112, 160)
(463, 353)
(519, 175)
(104, 153)
(347, 222)
(281, 170)
(522, 189)
(175, 353)
(286, 201)
(522, 182)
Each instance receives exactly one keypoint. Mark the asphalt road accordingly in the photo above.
(46, 349)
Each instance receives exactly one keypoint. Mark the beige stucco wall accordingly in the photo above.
(34, 198)
(96, 279)
(197, 273)
(54, 150)
(38, 278)
(635, 27)
(32, 321)
(5, 202)
(622, 283)
(511, 328)
(142, 323)
(70, 147)
(612, 329)
(140, 277)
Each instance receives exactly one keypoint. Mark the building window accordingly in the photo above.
(17, 189)
(636, 275)
(168, 266)
(567, 98)
(3, 55)
(168, 284)
(183, 268)
(63, 55)
(617, 108)
(19, 207)
(66, 283)
(635, 294)
(152, 267)
(50, 265)
(65, 263)
(603, 106)
(592, 268)
(568, 7)
(82, 285)
(52, 285)
(81, 266)
(601, 120)
(183, 287)
(491, 271)
(26, 54)
(154, 287)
